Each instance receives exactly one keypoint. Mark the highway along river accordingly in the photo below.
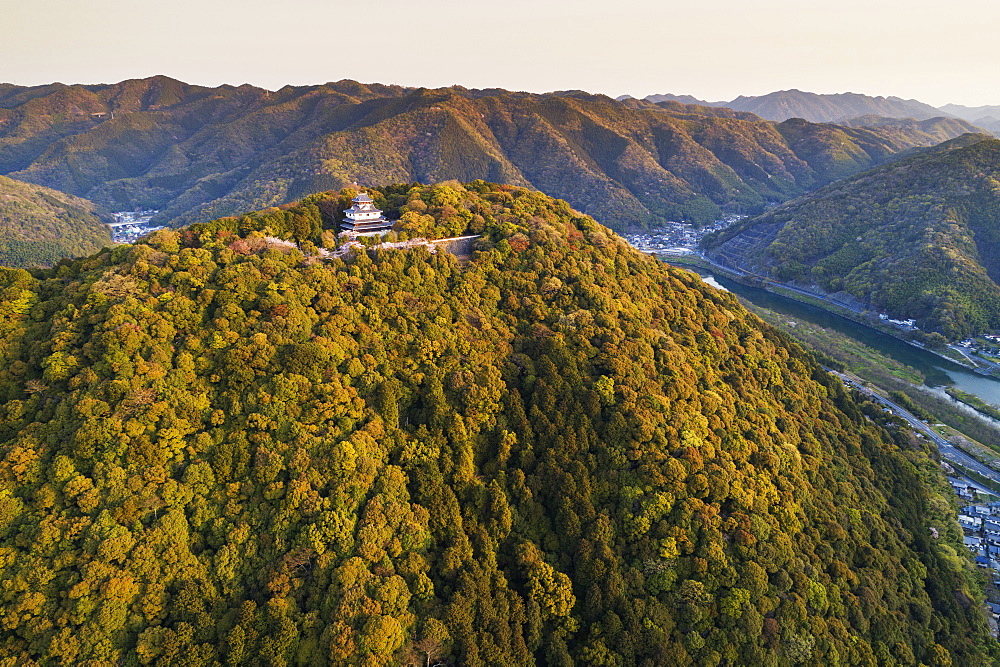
(937, 371)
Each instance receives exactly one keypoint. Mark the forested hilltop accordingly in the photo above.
(916, 238)
(219, 449)
(40, 226)
(197, 153)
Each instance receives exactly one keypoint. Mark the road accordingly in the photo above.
(770, 282)
(979, 364)
(948, 451)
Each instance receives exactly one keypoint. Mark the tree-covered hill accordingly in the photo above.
(39, 226)
(199, 153)
(215, 449)
(916, 238)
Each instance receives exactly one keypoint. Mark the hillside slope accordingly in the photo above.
(217, 449)
(39, 226)
(916, 238)
(199, 153)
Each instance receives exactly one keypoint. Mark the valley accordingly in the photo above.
(916, 239)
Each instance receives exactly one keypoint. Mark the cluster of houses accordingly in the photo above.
(981, 524)
(129, 226)
(909, 325)
(985, 349)
(987, 343)
(677, 238)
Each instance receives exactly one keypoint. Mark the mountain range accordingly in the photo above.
(919, 237)
(197, 153)
(987, 117)
(221, 445)
(838, 108)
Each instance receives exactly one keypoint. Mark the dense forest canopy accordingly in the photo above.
(197, 153)
(39, 226)
(217, 449)
(919, 238)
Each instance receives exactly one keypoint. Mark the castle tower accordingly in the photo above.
(363, 218)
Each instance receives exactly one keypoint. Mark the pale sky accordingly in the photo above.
(937, 52)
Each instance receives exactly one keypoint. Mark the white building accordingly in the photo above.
(363, 218)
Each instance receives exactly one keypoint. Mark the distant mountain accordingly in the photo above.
(935, 129)
(971, 113)
(683, 99)
(198, 153)
(39, 226)
(919, 237)
(990, 123)
(987, 117)
(819, 108)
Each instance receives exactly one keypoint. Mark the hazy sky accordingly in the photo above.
(938, 52)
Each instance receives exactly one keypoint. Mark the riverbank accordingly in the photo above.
(796, 294)
(973, 402)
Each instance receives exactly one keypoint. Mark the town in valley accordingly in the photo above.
(130, 226)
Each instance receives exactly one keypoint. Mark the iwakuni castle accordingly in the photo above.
(363, 219)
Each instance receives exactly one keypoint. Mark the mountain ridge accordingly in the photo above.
(987, 116)
(831, 107)
(836, 107)
(197, 153)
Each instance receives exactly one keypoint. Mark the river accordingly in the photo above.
(937, 372)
